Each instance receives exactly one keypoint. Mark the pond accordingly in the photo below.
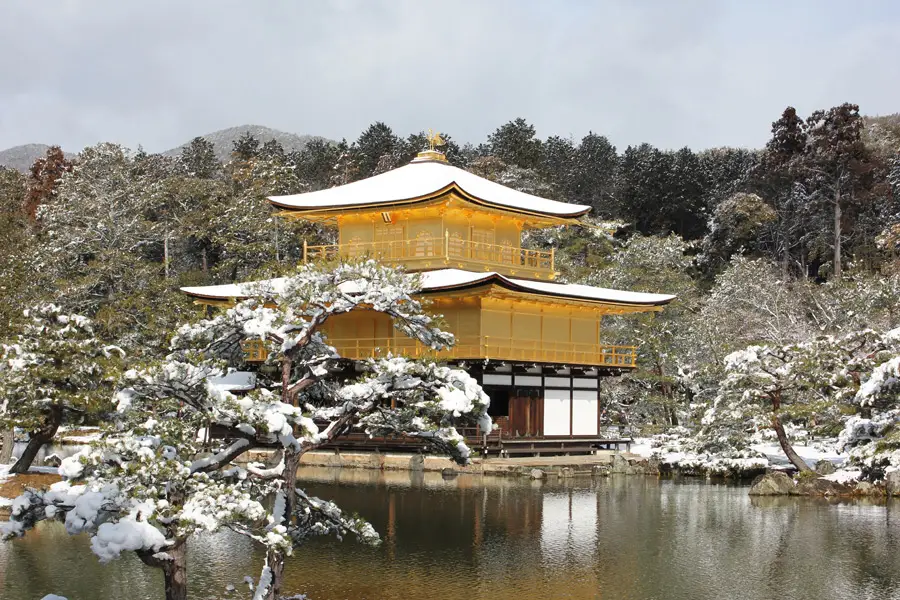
(503, 538)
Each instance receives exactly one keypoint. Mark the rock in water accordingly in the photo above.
(772, 484)
(600, 471)
(864, 488)
(566, 472)
(825, 467)
(537, 474)
(820, 487)
(619, 464)
(892, 483)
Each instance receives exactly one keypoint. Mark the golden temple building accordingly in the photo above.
(535, 345)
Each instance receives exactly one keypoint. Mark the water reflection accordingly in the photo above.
(502, 538)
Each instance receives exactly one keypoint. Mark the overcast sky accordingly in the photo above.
(671, 73)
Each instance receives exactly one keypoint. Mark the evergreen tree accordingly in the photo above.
(199, 159)
(274, 151)
(316, 162)
(515, 144)
(376, 145)
(558, 166)
(245, 147)
(56, 369)
(726, 172)
(839, 165)
(594, 175)
(643, 190)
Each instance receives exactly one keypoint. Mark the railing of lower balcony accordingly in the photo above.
(495, 348)
(451, 251)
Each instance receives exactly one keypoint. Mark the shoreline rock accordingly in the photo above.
(771, 484)
(778, 483)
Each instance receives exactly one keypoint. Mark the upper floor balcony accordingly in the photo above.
(492, 348)
(431, 252)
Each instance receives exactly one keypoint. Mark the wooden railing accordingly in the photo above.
(448, 251)
(489, 347)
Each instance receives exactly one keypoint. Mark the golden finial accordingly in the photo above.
(434, 138)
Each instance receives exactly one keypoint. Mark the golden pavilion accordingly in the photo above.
(534, 344)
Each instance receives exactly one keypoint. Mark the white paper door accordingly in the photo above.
(556, 412)
(584, 412)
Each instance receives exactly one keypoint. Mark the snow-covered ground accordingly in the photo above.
(761, 456)
(810, 454)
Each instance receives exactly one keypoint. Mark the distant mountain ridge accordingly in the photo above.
(22, 157)
(224, 139)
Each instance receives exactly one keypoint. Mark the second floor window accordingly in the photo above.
(482, 243)
(389, 241)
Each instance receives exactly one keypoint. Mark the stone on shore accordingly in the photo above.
(864, 488)
(892, 483)
(772, 484)
(825, 467)
(818, 486)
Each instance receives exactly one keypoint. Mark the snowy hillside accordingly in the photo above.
(224, 139)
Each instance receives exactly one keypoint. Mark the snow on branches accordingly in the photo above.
(815, 384)
(55, 366)
(165, 470)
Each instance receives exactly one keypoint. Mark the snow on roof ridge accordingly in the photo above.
(422, 179)
(455, 278)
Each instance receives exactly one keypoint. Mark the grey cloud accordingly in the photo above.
(687, 73)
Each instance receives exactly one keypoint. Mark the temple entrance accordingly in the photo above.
(517, 412)
(526, 413)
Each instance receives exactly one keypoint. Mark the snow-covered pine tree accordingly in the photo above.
(54, 370)
(394, 395)
(872, 436)
(811, 384)
(158, 476)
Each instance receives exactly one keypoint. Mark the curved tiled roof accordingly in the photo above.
(421, 181)
(452, 279)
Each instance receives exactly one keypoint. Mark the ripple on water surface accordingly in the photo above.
(477, 538)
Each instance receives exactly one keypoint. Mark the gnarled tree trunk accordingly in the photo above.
(37, 440)
(275, 560)
(174, 568)
(786, 445)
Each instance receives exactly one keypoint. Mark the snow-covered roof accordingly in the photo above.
(423, 180)
(236, 381)
(450, 279)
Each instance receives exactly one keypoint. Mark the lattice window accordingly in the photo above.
(389, 241)
(424, 245)
(456, 245)
(482, 242)
(507, 252)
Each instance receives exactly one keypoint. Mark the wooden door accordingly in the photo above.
(525, 416)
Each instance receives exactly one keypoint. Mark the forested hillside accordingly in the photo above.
(787, 253)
